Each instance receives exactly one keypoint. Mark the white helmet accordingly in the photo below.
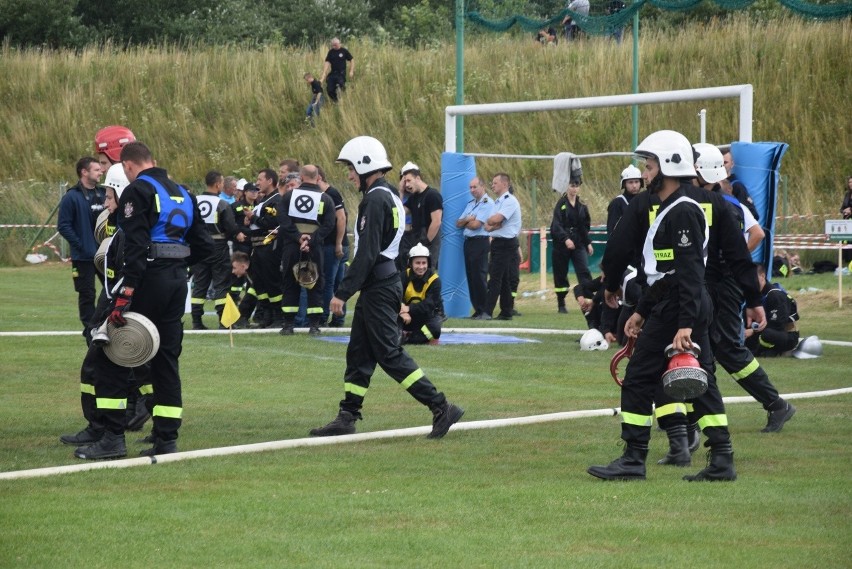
(672, 150)
(593, 340)
(409, 166)
(631, 173)
(709, 164)
(418, 250)
(365, 154)
(808, 349)
(116, 179)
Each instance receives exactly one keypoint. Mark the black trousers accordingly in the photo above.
(161, 296)
(643, 377)
(561, 257)
(216, 271)
(772, 343)
(83, 274)
(476, 269)
(334, 82)
(375, 340)
(502, 272)
(421, 331)
(726, 337)
(292, 290)
(266, 260)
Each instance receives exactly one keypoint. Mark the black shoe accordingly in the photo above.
(160, 447)
(198, 326)
(334, 323)
(111, 445)
(516, 313)
(343, 424)
(483, 316)
(720, 466)
(629, 466)
(504, 317)
(443, 418)
(314, 330)
(562, 310)
(288, 329)
(140, 417)
(87, 436)
(777, 417)
(241, 324)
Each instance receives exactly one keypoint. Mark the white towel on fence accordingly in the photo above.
(564, 164)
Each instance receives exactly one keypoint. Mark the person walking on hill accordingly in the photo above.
(334, 69)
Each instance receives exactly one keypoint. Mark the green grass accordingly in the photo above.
(507, 497)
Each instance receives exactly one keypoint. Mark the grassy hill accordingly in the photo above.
(238, 110)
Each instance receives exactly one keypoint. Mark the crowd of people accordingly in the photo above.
(677, 268)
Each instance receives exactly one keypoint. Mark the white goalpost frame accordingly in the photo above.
(745, 93)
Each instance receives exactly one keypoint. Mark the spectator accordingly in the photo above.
(78, 211)
(317, 99)
(472, 221)
(427, 211)
(738, 189)
(547, 36)
(334, 69)
(229, 190)
(614, 7)
(781, 334)
(572, 30)
(503, 226)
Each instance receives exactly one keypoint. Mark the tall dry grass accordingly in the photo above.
(238, 110)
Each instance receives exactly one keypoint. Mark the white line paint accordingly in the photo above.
(359, 437)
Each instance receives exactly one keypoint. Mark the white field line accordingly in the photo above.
(321, 441)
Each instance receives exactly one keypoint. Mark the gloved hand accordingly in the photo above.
(122, 305)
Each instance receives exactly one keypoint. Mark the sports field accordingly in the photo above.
(513, 496)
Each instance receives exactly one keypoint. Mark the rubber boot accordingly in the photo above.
(219, 310)
(720, 465)
(343, 424)
(197, 313)
(678, 454)
(694, 435)
(630, 466)
(111, 445)
(141, 414)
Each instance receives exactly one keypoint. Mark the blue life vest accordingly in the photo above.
(176, 214)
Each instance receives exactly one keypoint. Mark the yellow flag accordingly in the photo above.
(230, 313)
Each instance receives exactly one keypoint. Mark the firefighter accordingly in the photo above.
(163, 232)
(306, 217)
(422, 307)
(781, 334)
(219, 220)
(375, 336)
(265, 270)
(569, 229)
(669, 226)
(631, 184)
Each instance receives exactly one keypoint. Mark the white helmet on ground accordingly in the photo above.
(593, 340)
(672, 150)
(808, 349)
(709, 164)
(116, 179)
(366, 155)
(418, 250)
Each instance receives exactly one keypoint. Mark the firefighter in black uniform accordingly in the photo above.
(569, 230)
(306, 217)
(265, 267)
(781, 334)
(375, 336)
(675, 309)
(421, 313)
(631, 184)
(219, 219)
(163, 233)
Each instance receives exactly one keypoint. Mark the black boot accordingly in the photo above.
(720, 465)
(443, 418)
(343, 424)
(111, 445)
(694, 434)
(779, 412)
(160, 447)
(314, 327)
(140, 415)
(288, 327)
(630, 466)
(88, 436)
(678, 454)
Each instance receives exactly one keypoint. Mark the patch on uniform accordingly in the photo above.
(363, 223)
(128, 209)
(684, 238)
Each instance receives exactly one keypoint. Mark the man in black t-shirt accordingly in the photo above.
(334, 68)
(317, 98)
(427, 211)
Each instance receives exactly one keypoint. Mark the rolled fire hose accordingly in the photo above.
(133, 344)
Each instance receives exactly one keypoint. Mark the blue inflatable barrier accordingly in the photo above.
(757, 165)
(457, 170)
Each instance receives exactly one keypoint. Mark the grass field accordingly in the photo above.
(507, 497)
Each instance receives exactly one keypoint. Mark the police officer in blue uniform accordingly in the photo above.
(164, 233)
(375, 336)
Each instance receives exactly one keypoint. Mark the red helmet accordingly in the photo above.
(111, 139)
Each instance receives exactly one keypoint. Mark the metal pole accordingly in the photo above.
(459, 73)
(702, 119)
(635, 110)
